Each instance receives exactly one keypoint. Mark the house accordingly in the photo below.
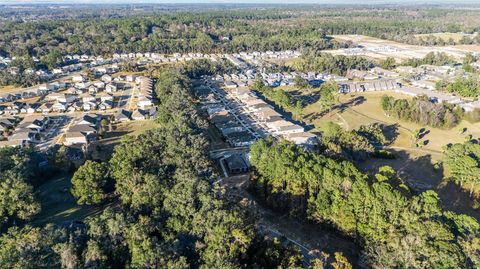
(82, 85)
(78, 78)
(110, 88)
(30, 108)
(236, 164)
(138, 115)
(90, 119)
(304, 138)
(88, 98)
(59, 107)
(37, 123)
(60, 97)
(75, 138)
(143, 102)
(99, 84)
(105, 105)
(6, 123)
(89, 106)
(266, 114)
(429, 85)
(45, 108)
(92, 90)
(122, 116)
(83, 128)
(106, 78)
(105, 97)
(24, 135)
(130, 78)
(13, 143)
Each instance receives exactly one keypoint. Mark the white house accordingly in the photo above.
(144, 102)
(77, 78)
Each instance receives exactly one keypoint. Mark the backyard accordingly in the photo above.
(58, 204)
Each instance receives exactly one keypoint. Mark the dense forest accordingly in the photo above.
(221, 30)
(462, 162)
(399, 229)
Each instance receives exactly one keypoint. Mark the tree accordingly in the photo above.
(327, 97)
(388, 63)
(52, 59)
(300, 82)
(462, 161)
(17, 198)
(89, 183)
(341, 262)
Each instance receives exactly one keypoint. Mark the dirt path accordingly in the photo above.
(310, 238)
(347, 127)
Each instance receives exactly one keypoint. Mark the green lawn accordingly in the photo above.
(58, 205)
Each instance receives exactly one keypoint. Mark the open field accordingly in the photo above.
(381, 49)
(58, 204)
(370, 111)
(103, 149)
(8, 89)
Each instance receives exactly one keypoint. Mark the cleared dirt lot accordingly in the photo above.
(381, 49)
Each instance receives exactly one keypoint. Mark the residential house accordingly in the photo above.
(78, 78)
(110, 88)
(106, 78)
(138, 115)
(45, 108)
(59, 107)
(90, 119)
(122, 116)
(88, 106)
(75, 138)
(144, 101)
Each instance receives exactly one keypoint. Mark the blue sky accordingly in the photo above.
(241, 1)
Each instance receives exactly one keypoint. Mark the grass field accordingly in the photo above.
(112, 138)
(58, 204)
(370, 111)
(8, 89)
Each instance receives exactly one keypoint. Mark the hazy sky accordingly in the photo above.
(242, 1)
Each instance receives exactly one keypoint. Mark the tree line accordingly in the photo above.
(462, 162)
(328, 63)
(398, 229)
(422, 111)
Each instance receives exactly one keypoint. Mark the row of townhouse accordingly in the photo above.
(372, 74)
(276, 79)
(369, 86)
(40, 90)
(272, 120)
(28, 131)
(145, 92)
(228, 121)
